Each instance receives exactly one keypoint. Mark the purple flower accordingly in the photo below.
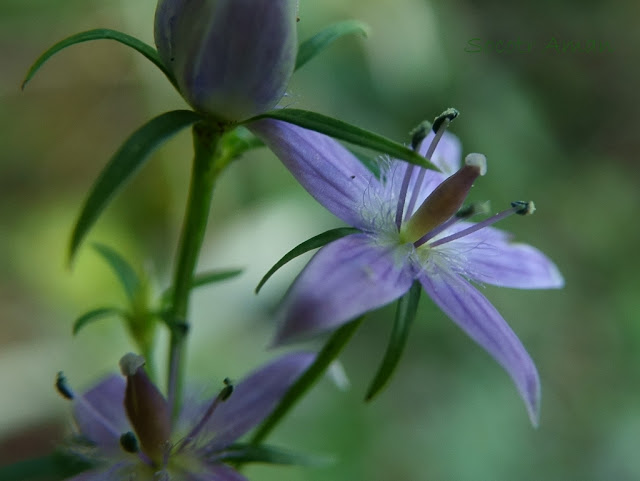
(128, 429)
(410, 231)
(232, 59)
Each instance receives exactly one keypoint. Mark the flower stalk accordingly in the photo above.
(205, 171)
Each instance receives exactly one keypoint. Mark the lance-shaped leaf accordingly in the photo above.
(344, 131)
(405, 314)
(320, 41)
(126, 161)
(95, 315)
(248, 453)
(310, 244)
(206, 278)
(330, 351)
(125, 273)
(98, 34)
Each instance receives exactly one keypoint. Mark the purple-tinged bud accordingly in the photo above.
(146, 408)
(232, 59)
(446, 199)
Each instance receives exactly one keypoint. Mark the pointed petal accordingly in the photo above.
(491, 258)
(114, 472)
(343, 280)
(253, 399)
(100, 415)
(219, 472)
(327, 170)
(481, 321)
(448, 153)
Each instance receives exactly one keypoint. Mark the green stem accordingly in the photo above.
(325, 357)
(206, 169)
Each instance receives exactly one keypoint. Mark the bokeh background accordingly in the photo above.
(558, 125)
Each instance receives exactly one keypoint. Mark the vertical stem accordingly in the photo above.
(203, 176)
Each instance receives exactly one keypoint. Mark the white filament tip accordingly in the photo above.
(477, 160)
(130, 363)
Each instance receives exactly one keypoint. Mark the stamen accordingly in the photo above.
(440, 125)
(418, 134)
(129, 442)
(464, 213)
(222, 396)
(518, 207)
(62, 387)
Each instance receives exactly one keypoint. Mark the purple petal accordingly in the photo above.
(114, 472)
(219, 472)
(100, 415)
(329, 172)
(490, 257)
(253, 399)
(481, 321)
(447, 154)
(231, 58)
(343, 280)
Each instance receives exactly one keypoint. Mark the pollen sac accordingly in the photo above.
(62, 387)
(232, 59)
(146, 408)
(446, 199)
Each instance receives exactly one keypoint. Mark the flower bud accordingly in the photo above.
(232, 59)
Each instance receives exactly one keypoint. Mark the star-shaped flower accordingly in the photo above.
(412, 229)
(127, 432)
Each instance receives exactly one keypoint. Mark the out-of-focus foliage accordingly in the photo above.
(557, 127)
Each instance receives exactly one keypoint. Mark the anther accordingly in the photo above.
(524, 208)
(419, 133)
(62, 387)
(448, 115)
(473, 209)
(227, 390)
(129, 442)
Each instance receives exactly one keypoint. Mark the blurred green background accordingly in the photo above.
(557, 127)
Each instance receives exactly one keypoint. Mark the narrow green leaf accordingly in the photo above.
(206, 278)
(248, 453)
(209, 277)
(100, 33)
(347, 132)
(321, 40)
(126, 161)
(405, 314)
(95, 315)
(310, 244)
(125, 273)
(325, 357)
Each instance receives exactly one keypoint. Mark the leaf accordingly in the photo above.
(321, 40)
(405, 314)
(95, 315)
(97, 34)
(125, 162)
(125, 273)
(247, 453)
(347, 132)
(330, 351)
(310, 244)
(206, 278)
